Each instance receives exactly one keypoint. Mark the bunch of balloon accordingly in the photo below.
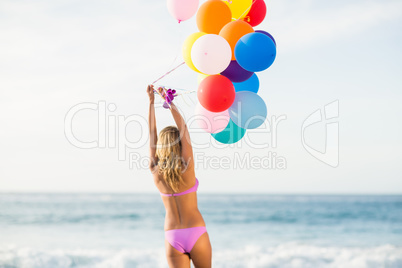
(227, 52)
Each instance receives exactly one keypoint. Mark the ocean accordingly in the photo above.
(246, 230)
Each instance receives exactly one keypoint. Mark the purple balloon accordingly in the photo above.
(236, 73)
(267, 34)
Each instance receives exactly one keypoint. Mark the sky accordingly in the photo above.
(71, 69)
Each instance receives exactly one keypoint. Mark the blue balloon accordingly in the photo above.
(252, 84)
(255, 52)
(248, 110)
(231, 134)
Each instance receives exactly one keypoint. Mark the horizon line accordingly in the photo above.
(202, 193)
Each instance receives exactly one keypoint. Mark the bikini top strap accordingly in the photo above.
(192, 189)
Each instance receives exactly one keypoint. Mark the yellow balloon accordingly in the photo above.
(187, 46)
(239, 8)
(201, 77)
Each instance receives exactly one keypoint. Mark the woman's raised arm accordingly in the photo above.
(153, 136)
(187, 149)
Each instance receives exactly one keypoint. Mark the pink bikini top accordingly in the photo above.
(192, 189)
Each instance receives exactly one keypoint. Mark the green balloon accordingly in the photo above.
(231, 134)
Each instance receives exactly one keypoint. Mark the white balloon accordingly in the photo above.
(211, 54)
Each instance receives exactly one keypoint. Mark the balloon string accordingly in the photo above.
(164, 98)
(182, 95)
(168, 73)
(175, 95)
(187, 92)
(180, 37)
(248, 9)
(178, 94)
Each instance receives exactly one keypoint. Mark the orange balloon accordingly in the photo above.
(212, 16)
(233, 31)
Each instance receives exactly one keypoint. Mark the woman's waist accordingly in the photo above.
(174, 221)
(171, 226)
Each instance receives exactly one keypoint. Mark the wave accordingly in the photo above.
(293, 254)
(66, 218)
(311, 256)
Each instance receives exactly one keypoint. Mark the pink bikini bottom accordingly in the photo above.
(184, 239)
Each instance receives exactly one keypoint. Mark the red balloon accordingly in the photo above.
(216, 93)
(257, 13)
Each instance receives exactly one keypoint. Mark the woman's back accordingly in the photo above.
(181, 208)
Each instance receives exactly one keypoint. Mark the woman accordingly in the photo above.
(172, 166)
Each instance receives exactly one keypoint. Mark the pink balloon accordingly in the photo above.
(182, 9)
(211, 122)
(211, 54)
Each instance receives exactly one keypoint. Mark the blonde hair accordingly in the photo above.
(169, 156)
